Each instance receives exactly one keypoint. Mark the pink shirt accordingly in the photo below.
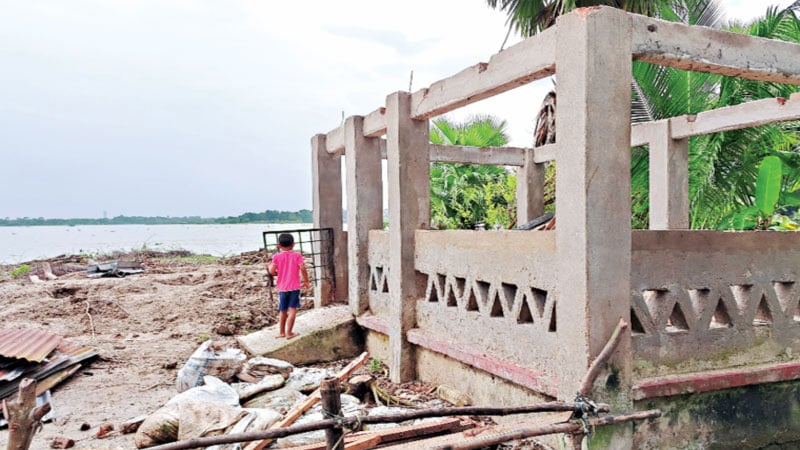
(288, 264)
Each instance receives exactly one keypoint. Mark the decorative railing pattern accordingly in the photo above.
(501, 281)
(704, 300)
(378, 270)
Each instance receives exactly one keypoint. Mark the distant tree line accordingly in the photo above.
(268, 216)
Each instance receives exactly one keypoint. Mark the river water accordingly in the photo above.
(19, 244)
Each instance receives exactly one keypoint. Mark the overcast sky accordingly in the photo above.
(189, 107)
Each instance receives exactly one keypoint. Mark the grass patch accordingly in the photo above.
(20, 270)
(190, 259)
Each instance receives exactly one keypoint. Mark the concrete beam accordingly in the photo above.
(530, 189)
(744, 115)
(641, 133)
(334, 141)
(492, 156)
(462, 154)
(669, 179)
(544, 153)
(326, 174)
(530, 60)
(408, 172)
(593, 235)
(704, 49)
(375, 123)
(364, 207)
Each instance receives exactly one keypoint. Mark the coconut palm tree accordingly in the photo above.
(722, 166)
(465, 195)
(529, 17)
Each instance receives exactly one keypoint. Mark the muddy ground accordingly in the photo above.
(144, 327)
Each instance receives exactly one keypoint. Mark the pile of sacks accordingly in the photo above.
(221, 392)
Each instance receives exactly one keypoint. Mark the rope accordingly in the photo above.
(587, 407)
(341, 421)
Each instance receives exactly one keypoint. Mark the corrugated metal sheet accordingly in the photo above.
(31, 345)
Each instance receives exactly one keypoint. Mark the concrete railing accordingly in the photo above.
(713, 300)
(491, 290)
(378, 263)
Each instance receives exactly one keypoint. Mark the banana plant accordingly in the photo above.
(769, 200)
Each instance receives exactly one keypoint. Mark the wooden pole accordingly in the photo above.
(298, 410)
(264, 437)
(330, 392)
(23, 416)
(566, 427)
(602, 358)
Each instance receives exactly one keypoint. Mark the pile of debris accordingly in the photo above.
(36, 354)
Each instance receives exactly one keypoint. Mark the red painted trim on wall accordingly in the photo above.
(539, 382)
(714, 381)
(373, 323)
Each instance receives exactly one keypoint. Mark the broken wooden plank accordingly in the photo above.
(567, 427)
(312, 399)
(396, 434)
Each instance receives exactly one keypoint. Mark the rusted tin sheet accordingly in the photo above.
(31, 345)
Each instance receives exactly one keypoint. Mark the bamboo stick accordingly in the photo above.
(566, 427)
(602, 358)
(312, 399)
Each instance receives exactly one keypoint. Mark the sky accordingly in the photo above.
(207, 108)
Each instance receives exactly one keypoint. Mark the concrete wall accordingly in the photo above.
(534, 309)
(712, 300)
(492, 290)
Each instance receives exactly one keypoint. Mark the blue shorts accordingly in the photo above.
(289, 299)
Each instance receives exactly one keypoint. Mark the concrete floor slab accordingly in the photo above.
(326, 334)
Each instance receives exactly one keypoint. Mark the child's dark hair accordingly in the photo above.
(285, 240)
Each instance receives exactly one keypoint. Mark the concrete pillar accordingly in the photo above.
(326, 174)
(364, 206)
(593, 232)
(530, 190)
(408, 177)
(669, 179)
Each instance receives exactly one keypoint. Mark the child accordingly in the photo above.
(288, 265)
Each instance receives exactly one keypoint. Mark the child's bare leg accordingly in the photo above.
(282, 324)
(292, 313)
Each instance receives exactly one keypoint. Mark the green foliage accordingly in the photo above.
(464, 195)
(722, 166)
(375, 366)
(20, 270)
(268, 216)
(190, 259)
(767, 193)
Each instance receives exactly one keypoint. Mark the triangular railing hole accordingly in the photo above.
(677, 320)
(721, 318)
(472, 301)
(552, 327)
(525, 315)
(373, 284)
(636, 324)
(497, 307)
(763, 315)
(433, 292)
(452, 300)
